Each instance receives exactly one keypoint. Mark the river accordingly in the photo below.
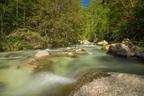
(58, 78)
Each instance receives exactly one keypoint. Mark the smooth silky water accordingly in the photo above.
(60, 78)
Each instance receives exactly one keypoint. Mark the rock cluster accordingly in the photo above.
(126, 49)
(85, 42)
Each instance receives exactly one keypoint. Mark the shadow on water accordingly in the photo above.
(59, 74)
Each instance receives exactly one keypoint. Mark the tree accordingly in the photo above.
(61, 22)
(122, 12)
(99, 11)
(135, 27)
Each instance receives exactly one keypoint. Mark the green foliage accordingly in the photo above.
(114, 20)
(120, 15)
(100, 18)
(88, 29)
(16, 14)
(136, 25)
(57, 20)
(23, 40)
(95, 20)
(60, 23)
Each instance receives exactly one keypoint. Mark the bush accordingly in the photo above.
(23, 40)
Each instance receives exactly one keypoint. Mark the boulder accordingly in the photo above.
(41, 54)
(116, 84)
(126, 50)
(120, 49)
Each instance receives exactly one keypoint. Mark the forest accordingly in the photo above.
(38, 24)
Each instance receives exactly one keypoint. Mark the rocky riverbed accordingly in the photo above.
(82, 70)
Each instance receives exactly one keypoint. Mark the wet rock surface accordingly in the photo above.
(112, 84)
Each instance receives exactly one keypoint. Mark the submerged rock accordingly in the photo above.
(75, 52)
(41, 54)
(35, 65)
(70, 54)
(80, 51)
(116, 84)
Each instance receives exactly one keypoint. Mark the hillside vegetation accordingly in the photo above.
(37, 24)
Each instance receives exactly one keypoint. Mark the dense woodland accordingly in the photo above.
(36, 24)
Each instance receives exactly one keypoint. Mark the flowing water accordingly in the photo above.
(58, 78)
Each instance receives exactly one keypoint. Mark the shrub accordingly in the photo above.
(23, 40)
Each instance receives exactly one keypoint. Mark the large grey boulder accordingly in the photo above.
(126, 49)
(120, 49)
(117, 84)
